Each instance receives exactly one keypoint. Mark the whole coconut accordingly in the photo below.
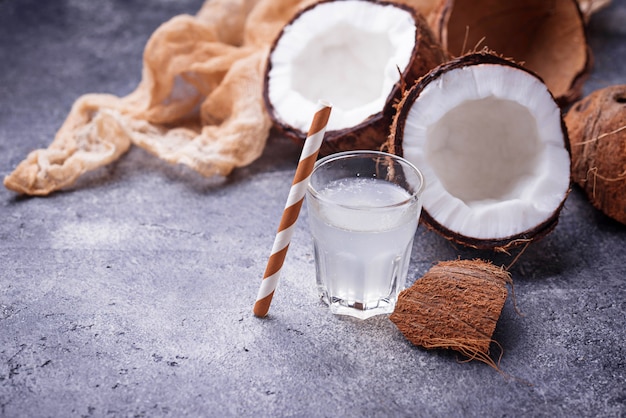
(597, 132)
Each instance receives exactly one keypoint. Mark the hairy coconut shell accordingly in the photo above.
(547, 37)
(455, 305)
(372, 132)
(597, 131)
(394, 146)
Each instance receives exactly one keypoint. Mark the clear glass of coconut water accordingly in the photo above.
(363, 211)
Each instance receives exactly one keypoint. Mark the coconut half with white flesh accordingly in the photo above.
(490, 140)
(355, 54)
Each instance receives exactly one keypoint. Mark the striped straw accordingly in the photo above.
(292, 208)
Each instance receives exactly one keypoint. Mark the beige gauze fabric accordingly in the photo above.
(199, 102)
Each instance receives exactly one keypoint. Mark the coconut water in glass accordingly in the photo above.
(363, 208)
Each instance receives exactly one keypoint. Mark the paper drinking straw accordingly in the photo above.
(292, 208)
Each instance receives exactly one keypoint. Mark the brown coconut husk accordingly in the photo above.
(456, 306)
(547, 37)
(597, 132)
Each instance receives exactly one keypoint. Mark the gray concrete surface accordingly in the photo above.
(131, 293)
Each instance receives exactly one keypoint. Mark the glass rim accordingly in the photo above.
(373, 154)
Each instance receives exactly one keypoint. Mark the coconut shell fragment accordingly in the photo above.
(547, 37)
(597, 132)
(456, 306)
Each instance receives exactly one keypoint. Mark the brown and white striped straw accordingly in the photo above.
(292, 208)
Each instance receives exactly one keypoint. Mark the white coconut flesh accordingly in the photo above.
(490, 143)
(344, 52)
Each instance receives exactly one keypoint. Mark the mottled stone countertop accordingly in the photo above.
(130, 294)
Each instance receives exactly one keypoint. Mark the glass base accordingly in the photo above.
(359, 309)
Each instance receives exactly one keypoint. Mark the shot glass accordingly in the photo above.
(363, 211)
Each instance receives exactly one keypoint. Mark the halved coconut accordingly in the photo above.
(355, 54)
(547, 37)
(493, 148)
